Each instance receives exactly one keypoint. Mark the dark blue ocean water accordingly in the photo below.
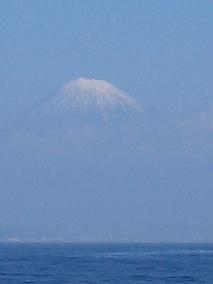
(106, 263)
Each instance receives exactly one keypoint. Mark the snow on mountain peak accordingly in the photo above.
(84, 93)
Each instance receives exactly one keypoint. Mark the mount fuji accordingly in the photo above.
(81, 109)
(86, 102)
(83, 94)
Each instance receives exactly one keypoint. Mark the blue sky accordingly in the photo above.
(158, 52)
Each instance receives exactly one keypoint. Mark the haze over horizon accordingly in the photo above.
(106, 119)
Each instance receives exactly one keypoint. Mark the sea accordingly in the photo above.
(105, 263)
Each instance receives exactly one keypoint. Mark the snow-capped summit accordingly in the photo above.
(87, 101)
(84, 94)
(81, 103)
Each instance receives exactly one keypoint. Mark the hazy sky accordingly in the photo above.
(159, 52)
